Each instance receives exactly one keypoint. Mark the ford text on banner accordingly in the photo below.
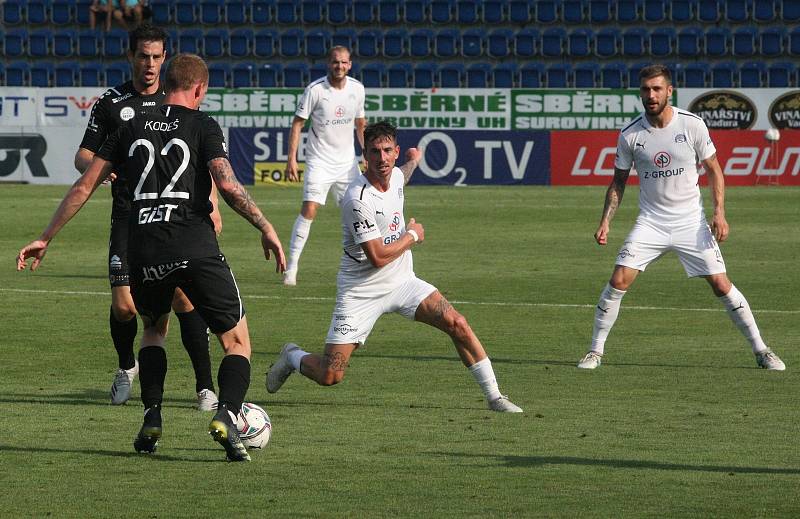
(746, 158)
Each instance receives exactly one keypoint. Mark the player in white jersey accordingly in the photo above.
(335, 105)
(665, 144)
(376, 276)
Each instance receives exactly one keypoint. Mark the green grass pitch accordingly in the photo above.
(678, 422)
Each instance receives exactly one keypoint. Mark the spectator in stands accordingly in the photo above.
(108, 10)
(134, 11)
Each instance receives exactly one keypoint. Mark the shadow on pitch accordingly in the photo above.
(218, 454)
(540, 461)
(90, 397)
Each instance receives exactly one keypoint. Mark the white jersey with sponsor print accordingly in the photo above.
(368, 214)
(666, 160)
(333, 113)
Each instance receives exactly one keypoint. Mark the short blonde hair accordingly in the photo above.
(185, 71)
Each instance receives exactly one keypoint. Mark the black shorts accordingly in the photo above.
(118, 270)
(207, 282)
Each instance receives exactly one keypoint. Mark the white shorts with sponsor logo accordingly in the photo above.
(317, 181)
(694, 243)
(353, 317)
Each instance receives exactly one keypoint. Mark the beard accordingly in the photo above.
(656, 111)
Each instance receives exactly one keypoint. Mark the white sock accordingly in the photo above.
(300, 232)
(484, 376)
(605, 315)
(296, 357)
(739, 312)
(234, 418)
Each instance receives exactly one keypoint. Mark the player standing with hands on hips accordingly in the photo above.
(335, 105)
(376, 276)
(665, 144)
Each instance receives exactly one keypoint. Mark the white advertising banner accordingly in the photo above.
(743, 108)
(38, 155)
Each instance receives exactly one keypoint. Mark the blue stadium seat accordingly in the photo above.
(291, 44)
(420, 43)
(190, 40)
(724, 75)
(295, 74)
(394, 43)
(240, 43)
(367, 43)
(62, 12)
(82, 12)
(526, 43)
(654, 11)
(520, 11)
(14, 14)
(91, 74)
(573, 11)
(37, 12)
(286, 13)
(344, 38)
(781, 75)
(662, 41)
(416, 11)
(186, 12)
(172, 43)
(744, 41)
(66, 42)
(451, 75)
(599, 11)
(215, 43)
(364, 11)
(41, 73)
(633, 73)
(445, 43)
(531, 75)
(264, 43)
(312, 12)
(752, 74)
(219, 75)
(269, 75)
(790, 10)
(547, 11)
(709, 11)
(115, 43)
(424, 74)
(441, 11)
(695, 74)
(553, 42)
(318, 70)
(389, 12)
(398, 75)
(262, 12)
(765, 10)
(505, 75)
(737, 11)
(116, 73)
(67, 74)
(338, 12)
(793, 47)
(467, 12)
(18, 73)
(690, 42)
(627, 11)
(717, 41)
(373, 74)
(772, 41)
(579, 43)
(607, 42)
(243, 74)
(682, 10)
(633, 42)
(472, 42)
(478, 75)
(162, 12)
(612, 75)
(234, 12)
(211, 11)
(587, 75)
(498, 43)
(2, 73)
(559, 75)
(318, 42)
(493, 11)
(39, 43)
(15, 43)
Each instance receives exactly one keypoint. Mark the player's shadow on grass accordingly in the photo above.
(454, 358)
(158, 456)
(89, 397)
(71, 276)
(512, 461)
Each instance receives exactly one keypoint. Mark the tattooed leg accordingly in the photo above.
(329, 368)
(436, 311)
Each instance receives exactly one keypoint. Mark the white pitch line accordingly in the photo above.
(457, 302)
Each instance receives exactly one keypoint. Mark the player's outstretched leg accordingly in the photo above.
(605, 315)
(281, 368)
(234, 379)
(147, 439)
(300, 232)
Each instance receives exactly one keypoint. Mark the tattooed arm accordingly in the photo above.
(613, 199)
(237, 197)
(413, 156)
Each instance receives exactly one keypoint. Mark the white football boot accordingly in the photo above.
(504, 405)
(290, 278)
(590, 361)
(123, 380)
(767, 359)
(281, 369)
(207, 400)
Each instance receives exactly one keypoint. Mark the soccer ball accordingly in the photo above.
(254, 426)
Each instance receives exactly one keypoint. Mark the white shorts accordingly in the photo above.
(353, 317)
(694, 243)
(318, 181)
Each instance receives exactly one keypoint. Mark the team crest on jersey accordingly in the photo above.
(395, 223)
(662, 159)
(680, 138)
(339, 112)
(127, 113)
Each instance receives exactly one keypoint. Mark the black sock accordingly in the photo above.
(123, 335)
(233, 380)
(194, 334)
(152, 372)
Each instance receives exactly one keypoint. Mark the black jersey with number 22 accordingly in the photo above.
(163, 159)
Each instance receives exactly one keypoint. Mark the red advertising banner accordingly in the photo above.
(586, 158)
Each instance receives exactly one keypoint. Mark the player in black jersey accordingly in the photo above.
(168, 159)
(144, 93)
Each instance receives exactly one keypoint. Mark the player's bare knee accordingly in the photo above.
(124, 311)
(331, 377)
(458, 327)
